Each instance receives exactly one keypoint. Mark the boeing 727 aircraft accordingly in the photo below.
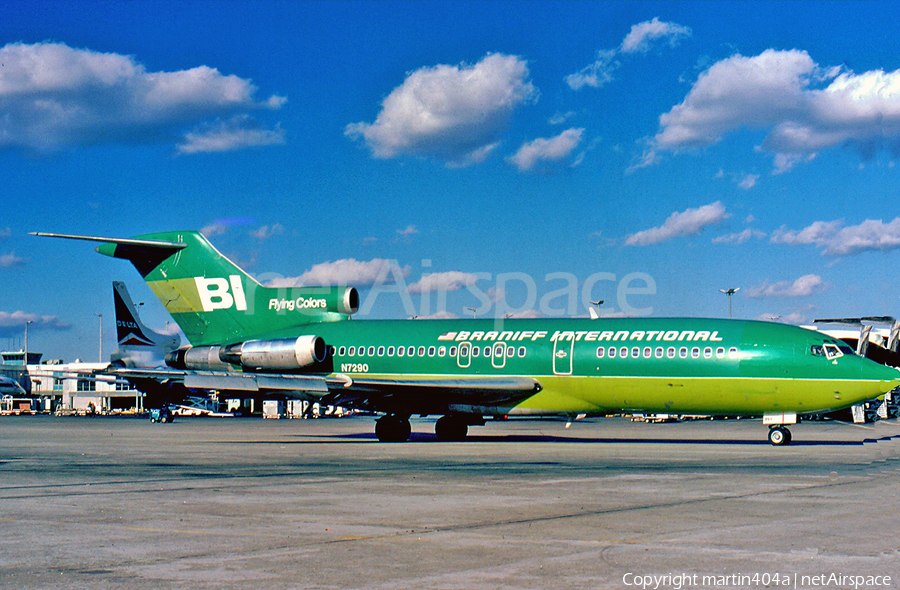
(297, 341)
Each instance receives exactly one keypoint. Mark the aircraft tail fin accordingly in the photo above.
(211, 298)
(139, 346)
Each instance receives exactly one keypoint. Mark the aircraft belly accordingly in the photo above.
(704, 396)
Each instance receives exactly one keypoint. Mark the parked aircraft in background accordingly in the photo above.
(139, 346)
(297, 341)
(9, 386)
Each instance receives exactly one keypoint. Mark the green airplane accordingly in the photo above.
(298, 341)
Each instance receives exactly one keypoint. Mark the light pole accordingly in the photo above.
(100, 315)
(730, 292)
(25, 358)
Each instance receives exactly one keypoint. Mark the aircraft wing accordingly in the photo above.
(413, 396)
(419, 396)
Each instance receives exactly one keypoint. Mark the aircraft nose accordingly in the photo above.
(889, 376)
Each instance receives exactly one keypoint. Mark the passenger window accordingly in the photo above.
(682, 352)
(648, 352)
(670, 352)
(430, 351)
(601, 352)
(351, 351)
(659, 352)
(720, 353)
(623, 352)
(452, 351)
(612, 353)
(510, 351)
(442, 351)
(342, 350)
(401, 351)
(411, 351)
(390, 351)
(421, 351)
(707, 353)
(476, 351)
(695, 353)
(635, 352)
(380, 351)
(371, 351)
(521, 352)
(487, 351)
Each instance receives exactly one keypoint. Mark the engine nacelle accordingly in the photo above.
(283, 354)
(197, 358)
(315, 300)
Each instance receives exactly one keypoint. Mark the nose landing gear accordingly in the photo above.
(779, 435)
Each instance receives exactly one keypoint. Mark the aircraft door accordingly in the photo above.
(563, 351)
(464, 356)
(498, 359)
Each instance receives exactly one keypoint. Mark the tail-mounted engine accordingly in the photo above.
(315, 300)
(283, 354)
(197, 358)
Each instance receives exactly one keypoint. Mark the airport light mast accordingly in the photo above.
(731, 291)
(25, 357)
(100, 315)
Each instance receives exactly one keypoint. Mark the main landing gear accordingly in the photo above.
(779, 435)
(393, 428)
(449, 428)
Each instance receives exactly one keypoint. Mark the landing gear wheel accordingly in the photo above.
(451, 429)
(392, 428)
(779, 436)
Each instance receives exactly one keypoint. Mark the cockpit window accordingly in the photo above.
(817, 350)
(832, 351)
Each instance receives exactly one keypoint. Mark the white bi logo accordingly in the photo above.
(214, 293)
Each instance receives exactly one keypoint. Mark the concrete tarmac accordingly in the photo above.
(221, 503)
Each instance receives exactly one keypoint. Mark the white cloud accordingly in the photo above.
(803, 287)
(10, 260)
(267, 231)
(443, 282)
(560, 118)
(409, 230)
(552, 149)
(349, 272)
(452, 113)
(10, 322)
(680, 224)
(597, 74)
(236, 133)
(638, 40)
(213, 229)
(780, 92)
(835, 239)
(748, 181)
(641, 35)
(440, 315)
(740, 238)
(53, 96)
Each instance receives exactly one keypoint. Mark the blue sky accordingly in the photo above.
(503, 154)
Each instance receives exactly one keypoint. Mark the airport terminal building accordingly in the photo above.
(57, 386)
